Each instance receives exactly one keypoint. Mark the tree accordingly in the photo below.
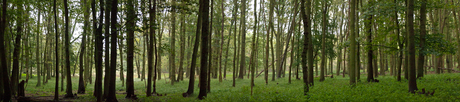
(172, 52)
(17, 45)
(194, 55)
(421, 56)
(81, 81)
(113, 59)
(411, 37)
(307, 51)
(352, 48)
(130, 27)
(98, 49)
(204, 13)
(107, 47)
(69, 93)
(151, 39)
(6, 86)
(56, 90)
(254, 48)
(243, 39)
(370, 52)
(323, 41)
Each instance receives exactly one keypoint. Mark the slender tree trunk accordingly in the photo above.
(204, 13)
(421, 56)
(98, 49)
(352, 48)
(130, 24)
(107, 47)
(410, 19)
(323, 41)
(16, 51)
(6, 86)
(69, 93)
(243, 40)
(113, 59)
(370, 51)
(194, 55)
(56, 89)
(172, 52)
(81, 81)
(307, 49)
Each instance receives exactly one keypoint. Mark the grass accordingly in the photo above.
(332, 89)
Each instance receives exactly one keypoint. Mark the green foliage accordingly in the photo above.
(334, 89)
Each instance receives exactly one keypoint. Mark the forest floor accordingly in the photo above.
(446, 88)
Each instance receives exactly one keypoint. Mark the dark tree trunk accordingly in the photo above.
(81, 80)
(204, 13)
(113, 59)
(307, 51)
(243, 40)
(56, 89)
(411, 36)
(370, 52)
(98, 51)
(69, 93)
(130, 27)
(107, 47)
(194, 55)
(16, 52)
(421, 56)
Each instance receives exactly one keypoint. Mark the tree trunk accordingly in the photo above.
(130, 24)
(307, 49)
(370, 51)
(69, 93)
(352, 48)
(421, 56)
(107, 47)
(411, 36)
(323, 41)
(81, 81)
(243, 40)
(172, 51)
(113, 58)
(98, 49)
(204, 13)
(4, 67)
(16, 52)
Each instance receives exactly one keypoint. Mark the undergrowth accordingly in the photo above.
(446, 88)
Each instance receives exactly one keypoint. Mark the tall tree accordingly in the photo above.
(16, 50)
(56, 89)
(352, 47)
(69, 93)
(204, 13)
(194, 55)
(81, 80)
(37, 51)
(107, 47)
(130, 27)
(421, 56)
(254, 48)
(411, 37)
(172, 52)
(113, 59)
(6, 86)
(98, 48)
(151, 40)
(306, 49)
(243, 39)
(323, 41)
(370, 52)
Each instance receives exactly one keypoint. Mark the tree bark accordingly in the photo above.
(411, 37)
(81, 81)
(204, 13)
(130, 24)
(243, 40)
(113, 59)
(421, 57)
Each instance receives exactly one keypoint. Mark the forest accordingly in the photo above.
(229, 50)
